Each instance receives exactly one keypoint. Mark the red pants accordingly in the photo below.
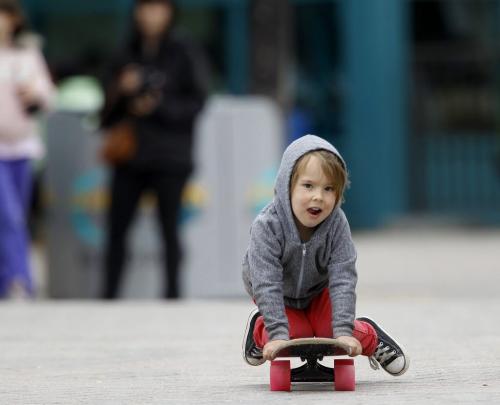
(316, 321)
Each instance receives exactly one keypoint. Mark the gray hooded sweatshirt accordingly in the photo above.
(279, 269)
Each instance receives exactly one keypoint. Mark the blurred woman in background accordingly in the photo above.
(152, 95)
(25, 89)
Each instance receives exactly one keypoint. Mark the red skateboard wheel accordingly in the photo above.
(281, 375)
(345, 379)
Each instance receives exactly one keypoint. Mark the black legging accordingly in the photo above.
(127, 186)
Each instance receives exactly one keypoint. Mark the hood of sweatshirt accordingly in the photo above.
(294, 152)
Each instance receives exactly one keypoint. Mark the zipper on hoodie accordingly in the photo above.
(301, 274)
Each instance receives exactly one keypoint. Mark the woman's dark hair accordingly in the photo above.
(166, 2)
(13, 8)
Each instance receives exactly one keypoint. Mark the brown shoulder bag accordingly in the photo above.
(119, 144)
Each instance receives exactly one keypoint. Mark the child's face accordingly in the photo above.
(313, 197)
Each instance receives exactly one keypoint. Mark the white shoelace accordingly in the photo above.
(380, 356)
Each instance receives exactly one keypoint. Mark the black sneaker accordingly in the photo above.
(251, 353)
(389, 354)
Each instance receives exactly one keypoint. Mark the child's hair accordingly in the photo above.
(13, 8)
(331, 165)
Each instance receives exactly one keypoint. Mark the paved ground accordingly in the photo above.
(436, 291)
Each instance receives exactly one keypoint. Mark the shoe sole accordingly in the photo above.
(245, 336)
(407, 358)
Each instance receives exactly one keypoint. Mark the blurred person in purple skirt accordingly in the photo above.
(25, 89)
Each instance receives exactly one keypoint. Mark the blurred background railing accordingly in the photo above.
(407, 89)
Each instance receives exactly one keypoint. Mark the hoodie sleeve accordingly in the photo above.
(342, 280)
(266, 275)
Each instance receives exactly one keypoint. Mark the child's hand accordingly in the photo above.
(353, 344)
(271, 349)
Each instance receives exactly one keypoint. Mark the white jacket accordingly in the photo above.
(18, 129)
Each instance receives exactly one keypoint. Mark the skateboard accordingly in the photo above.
(311, 351)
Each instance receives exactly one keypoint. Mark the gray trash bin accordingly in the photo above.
(238, 147)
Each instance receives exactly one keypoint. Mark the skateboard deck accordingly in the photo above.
(311, 351)
(307, 347)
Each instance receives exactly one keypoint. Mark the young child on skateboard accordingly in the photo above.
(300, 266)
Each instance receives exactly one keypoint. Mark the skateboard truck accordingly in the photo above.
(312, 371)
